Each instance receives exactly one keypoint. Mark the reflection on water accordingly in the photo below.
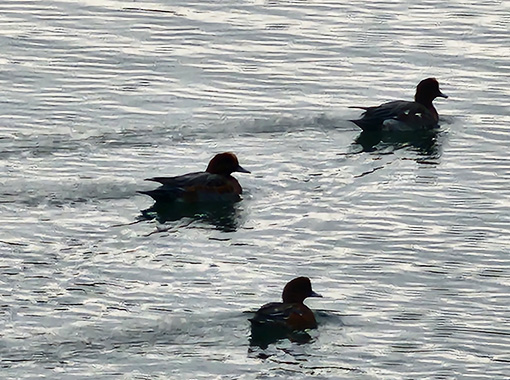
(425, 143)
(264, 335)
(224, 216)
(415, 256)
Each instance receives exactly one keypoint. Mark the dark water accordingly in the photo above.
(406, 237)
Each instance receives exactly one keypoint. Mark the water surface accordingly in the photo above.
(407, 239)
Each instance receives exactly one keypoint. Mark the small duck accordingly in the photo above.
(291, 314)
(401, 115)
(215, 184)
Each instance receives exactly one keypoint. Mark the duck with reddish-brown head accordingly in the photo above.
(287, 319)
(216, 183)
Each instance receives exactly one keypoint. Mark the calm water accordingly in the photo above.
(408, 240)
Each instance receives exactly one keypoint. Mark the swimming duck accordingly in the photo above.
(291, 314)
(402, 115)
(215, 184)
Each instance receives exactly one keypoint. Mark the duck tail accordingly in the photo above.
(151, 193)
(161, 195)
(359, 107)
(359, 123)
(157, 179)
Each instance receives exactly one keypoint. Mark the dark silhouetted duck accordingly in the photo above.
(291, 314)
(215, 184)
(402, 115)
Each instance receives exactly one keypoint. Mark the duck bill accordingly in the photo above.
(313, 294)
(240, 169)
(442, 95)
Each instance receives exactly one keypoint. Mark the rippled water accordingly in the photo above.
(407, 239)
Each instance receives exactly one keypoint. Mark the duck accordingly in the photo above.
(291, 314)
(214, 184)
(401, 115)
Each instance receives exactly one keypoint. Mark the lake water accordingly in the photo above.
(407, 240)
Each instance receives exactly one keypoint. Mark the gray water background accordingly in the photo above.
(408, 242)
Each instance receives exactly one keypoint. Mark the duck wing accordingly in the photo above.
(396, 115)
(414, 117)
(200, 186)
(191, 179)
(274, 313)
(374, 117)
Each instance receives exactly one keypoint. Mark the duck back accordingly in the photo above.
(196, 187)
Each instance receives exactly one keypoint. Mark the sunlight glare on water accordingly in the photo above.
(406, 239)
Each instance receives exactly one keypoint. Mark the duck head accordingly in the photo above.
(225, 164)
(427, 90)
(297, 290)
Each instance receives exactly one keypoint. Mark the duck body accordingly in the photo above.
(196, 187)
(401, 115)
(398, 115)
(288, 319)
(287, 316)
(292, 313)
(216, 184)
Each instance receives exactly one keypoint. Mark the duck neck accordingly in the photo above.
(291, 298)
(218, 172)
(433, 112)
(427, 102)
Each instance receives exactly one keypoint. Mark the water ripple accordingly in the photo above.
(405, 238)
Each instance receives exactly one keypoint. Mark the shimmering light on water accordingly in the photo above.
(407, 239)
